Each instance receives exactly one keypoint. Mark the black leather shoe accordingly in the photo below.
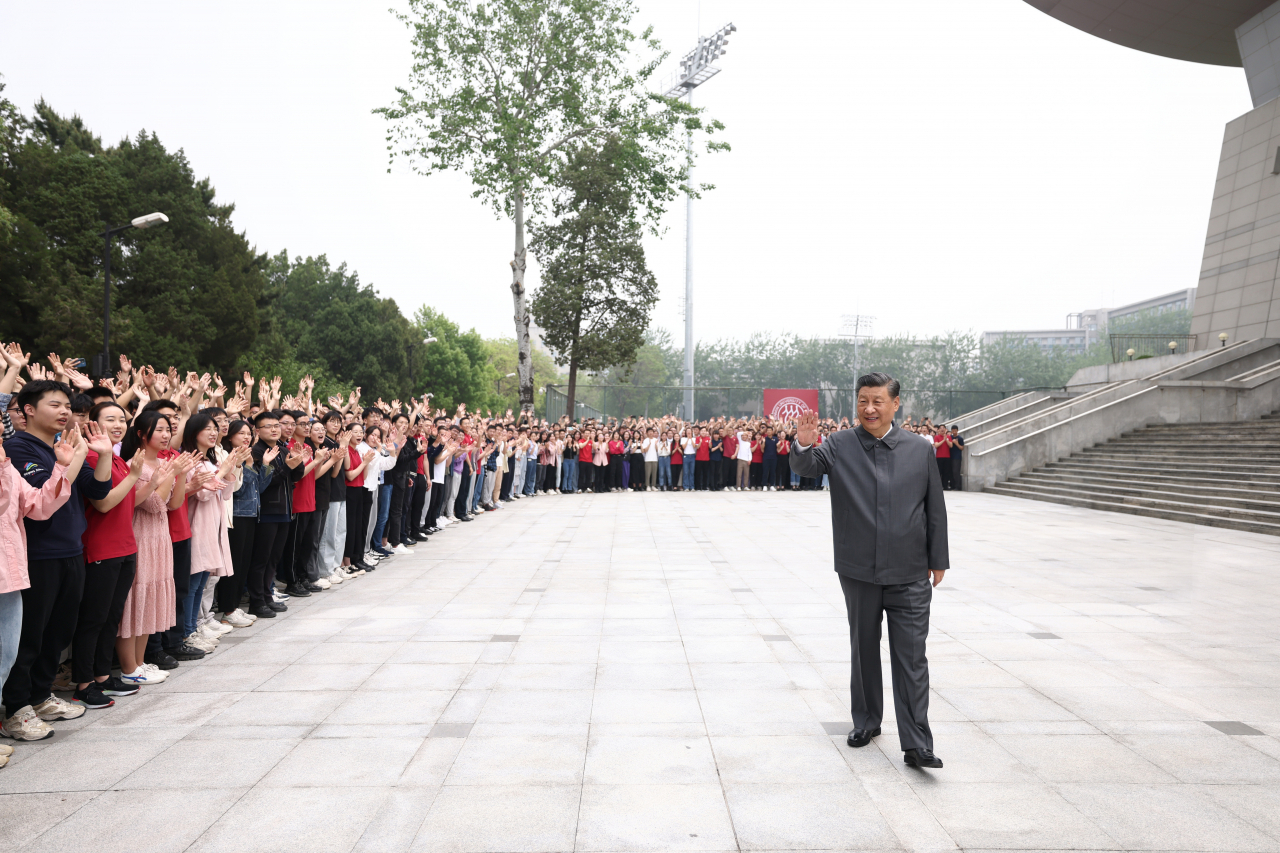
(186, 651)
(862, 737)
(313, 587)
(264, 612)
(363, 566)
(296, 591)
(277, 606)
(160, 659)
(921, 758)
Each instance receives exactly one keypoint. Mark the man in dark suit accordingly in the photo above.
(890, 527)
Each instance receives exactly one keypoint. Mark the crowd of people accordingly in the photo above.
(146, 515)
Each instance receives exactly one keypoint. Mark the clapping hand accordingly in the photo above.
(99, 441)
(269, 456)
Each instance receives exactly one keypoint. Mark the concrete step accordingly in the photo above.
(1261, 501)
(1245, 474)
(1179, 463)
(1189, 450)
(1151, 509)
(1205, 488)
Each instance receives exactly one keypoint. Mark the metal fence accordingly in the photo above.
(1148, 346)
(621, 401)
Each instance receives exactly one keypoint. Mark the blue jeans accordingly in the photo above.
(384, 510)
(530, 476)
(10, 632)
(477, 498)
(664, 471)
(688, 473)
(191, 607)
(569, 471)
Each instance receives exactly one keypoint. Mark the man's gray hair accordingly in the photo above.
(878, 380)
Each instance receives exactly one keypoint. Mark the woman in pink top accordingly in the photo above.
(210, 543)
(150, 605)
(18, 500)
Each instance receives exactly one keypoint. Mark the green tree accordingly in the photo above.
(183, 294)
(597, 291)
(455, 367)
(502, 89)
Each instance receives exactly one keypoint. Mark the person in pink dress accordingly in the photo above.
(150, 605)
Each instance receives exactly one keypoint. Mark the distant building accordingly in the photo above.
(1088, 327)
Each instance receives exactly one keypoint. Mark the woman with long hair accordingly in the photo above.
(585, 447)
(149, 607)
(246, 502)
(617, 451)
(210, 542)
(359, 502)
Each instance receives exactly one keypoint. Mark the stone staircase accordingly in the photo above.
(1218, 474)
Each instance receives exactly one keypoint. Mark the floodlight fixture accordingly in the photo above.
(696, 68)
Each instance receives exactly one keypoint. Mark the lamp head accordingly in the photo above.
(150, 220)
(428, 340)
(1223, 337)
(1129, 352)
(508, 376)
(1173, 345)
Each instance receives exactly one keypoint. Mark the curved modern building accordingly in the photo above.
(1238, 292)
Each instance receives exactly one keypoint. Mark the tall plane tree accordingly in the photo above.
(596, 294)
(502, 89)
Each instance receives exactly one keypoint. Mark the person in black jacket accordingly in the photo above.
(889, 519)
(402, 484)
(275, 514)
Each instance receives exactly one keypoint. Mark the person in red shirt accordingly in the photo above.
(942, 451)
(617, 447)
(677, 463)
(111, 557)
(730, 463)
(303, 531)
(702, 460)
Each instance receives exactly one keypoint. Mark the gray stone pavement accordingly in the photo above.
(669, 672)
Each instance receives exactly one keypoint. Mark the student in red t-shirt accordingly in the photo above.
(729, 471)
(617, 447)
(111, 557)
(757, 461)
(942, 450)
(702, 459)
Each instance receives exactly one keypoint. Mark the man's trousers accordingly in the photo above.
(907, 606)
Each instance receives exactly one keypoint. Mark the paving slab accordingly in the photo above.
(632, 672)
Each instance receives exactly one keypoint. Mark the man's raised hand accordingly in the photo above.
(807, 433)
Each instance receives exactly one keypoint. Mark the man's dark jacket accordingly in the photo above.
(888, 517)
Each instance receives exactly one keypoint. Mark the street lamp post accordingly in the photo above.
(102, 363)
(413, 367)
(695, 69)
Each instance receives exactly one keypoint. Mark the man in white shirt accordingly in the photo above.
(649, 447)
(744, 460)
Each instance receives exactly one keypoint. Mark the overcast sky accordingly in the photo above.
(939, 165)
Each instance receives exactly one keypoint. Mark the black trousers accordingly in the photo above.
(586, 475)
(49, 609)
(615, 471)
(676, 480)
(637, 471)
(435, 503)
(907, 606)
(359, 502)
(106, 586)
(784, 471)
(304, 537)
(420, 492)
(729, 472)
(464, 495)
(957, 479)
(268, 546)
(770, 471)
(175, 636)
(240, 537)
(944, 471)
(395, 514)
(508, 477)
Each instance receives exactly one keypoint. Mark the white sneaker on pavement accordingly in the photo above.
(54, 708)
(400, 549)
(25, 725)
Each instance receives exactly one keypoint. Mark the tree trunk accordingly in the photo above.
(573, 389)
(524, 364)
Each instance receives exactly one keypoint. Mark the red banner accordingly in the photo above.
(787, 404)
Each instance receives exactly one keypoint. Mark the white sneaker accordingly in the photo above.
(337, 576)
(239, 612)
(205, 632)
(144, 674)
(353, 572)
(236, 619)
(322, 583)
(25, 725)
(280, 597)
(54, 708)
(204, 644)
(400, 549)
(220, 626)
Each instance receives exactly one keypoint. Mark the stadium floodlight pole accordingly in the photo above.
(102, 362)
(695, 69)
